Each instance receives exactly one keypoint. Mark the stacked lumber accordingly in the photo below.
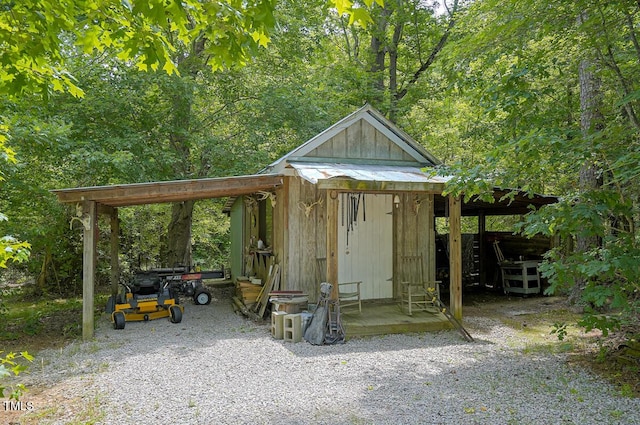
(247, 291)
(255, 298)
(273, 282)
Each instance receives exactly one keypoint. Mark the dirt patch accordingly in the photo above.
(493, 304)
(53, 404)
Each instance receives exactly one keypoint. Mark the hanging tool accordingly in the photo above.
(364, 208)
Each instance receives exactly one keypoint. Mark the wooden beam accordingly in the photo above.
(397, 249)
(332, 242)
(170, 191)
(358, 161)
(115, 251)
(455, 257)
(283, 250)
(90, 240)
(351, 185)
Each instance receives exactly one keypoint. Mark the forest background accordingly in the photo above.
(538, 96)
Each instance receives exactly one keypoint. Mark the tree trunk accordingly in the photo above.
(378, 52)
(179, 232)
(178, 246)
(393, 72)
(383, 44)
(590, 177)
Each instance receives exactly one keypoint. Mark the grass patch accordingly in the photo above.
(33, 324)
(555, 331)
(539, 330)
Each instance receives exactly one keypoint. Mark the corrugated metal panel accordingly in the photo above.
(314, 172)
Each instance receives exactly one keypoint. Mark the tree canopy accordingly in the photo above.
(36, 36)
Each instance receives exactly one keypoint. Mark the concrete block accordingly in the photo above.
(293, 327)
(277, 324)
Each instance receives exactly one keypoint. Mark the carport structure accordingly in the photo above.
(105, 200)
(91, 201)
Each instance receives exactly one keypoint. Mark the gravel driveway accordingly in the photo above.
(219, 368)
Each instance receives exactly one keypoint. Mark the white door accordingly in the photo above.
(365, 243)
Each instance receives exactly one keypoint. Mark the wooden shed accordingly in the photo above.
(354, 202)
(349, 204)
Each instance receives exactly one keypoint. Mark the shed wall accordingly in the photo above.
(360, 141)
(414, 234)
(306, 239)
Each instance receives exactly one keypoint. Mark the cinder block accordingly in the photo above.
(277, 324)
(293, 327)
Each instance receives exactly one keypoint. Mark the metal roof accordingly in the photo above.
(519, 203)
(314, 172)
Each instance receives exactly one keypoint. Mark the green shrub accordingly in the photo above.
(11, 365)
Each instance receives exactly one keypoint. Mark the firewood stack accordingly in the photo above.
(252, 298)
(247, 291)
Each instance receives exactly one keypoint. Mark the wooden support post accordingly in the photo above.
(90, 239)
(482, 227)
(284, 249)
(332, 242)
(115, 252)
(396, 250)
(431, 237)
(455, 257)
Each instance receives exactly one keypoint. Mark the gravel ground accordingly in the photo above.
(219, 368)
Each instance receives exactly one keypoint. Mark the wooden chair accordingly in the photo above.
(417, 294)
(348, 292)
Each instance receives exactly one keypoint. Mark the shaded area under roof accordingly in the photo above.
(520, 204)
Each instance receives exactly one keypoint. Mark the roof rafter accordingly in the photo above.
(170, 191)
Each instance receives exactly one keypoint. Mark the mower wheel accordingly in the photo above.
(118, 320)
(202, 297)
(175, 314)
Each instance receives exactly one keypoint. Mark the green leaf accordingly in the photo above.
(342, 6)
(360, 16)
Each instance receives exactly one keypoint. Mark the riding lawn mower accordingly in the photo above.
(155, 293)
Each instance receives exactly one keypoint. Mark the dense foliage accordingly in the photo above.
(558, 91)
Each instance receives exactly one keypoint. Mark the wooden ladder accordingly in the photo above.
(456, 323)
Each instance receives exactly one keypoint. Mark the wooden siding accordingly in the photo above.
(306, 236)
(299, 240)
(414, 234)
(360, 141)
